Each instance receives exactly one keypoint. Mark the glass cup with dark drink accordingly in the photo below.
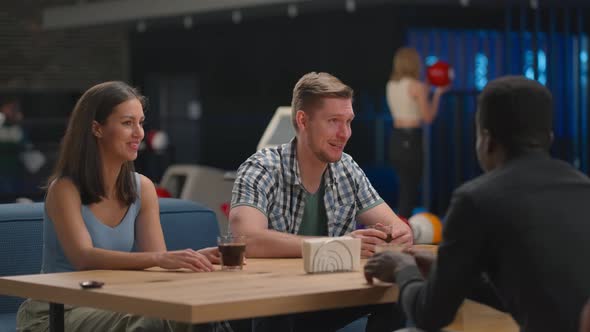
(232, 249)
(387, 229)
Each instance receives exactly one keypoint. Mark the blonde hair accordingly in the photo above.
(311, 88)
(406, 63)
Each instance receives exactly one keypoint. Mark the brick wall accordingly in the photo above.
(72, 59)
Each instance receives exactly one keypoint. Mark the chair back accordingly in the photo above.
(187, 224)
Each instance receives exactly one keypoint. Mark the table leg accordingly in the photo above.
(56, 317)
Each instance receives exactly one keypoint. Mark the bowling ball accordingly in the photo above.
(162, 192)
(157, 140)
(426, 227)
(440, 73)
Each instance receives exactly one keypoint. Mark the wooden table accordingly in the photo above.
(476, 317)
(265, 287)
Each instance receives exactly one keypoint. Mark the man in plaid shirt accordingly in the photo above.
(310, 187)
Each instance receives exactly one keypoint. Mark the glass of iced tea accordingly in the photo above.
(232, 249)
(387, 229)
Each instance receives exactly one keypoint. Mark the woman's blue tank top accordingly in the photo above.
(120, 237)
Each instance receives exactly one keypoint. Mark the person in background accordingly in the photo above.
(97, 209)
(519, 228)
(411, 108)
(12, 144)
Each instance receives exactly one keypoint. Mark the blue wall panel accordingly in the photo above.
(556, 59)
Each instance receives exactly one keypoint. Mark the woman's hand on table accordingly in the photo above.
(184, 259)
(212, 254)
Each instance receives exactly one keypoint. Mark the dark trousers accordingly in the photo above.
(382, 318)
(406, 155)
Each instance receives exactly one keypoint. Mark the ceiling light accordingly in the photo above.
(350, 6)
(141, 26)
(292, 11)
(236, 16)
(187, 22)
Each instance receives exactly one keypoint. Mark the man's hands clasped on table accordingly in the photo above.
(385, 265)
(374, 235)
(370, 238)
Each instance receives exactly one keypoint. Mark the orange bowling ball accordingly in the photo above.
(426, 227)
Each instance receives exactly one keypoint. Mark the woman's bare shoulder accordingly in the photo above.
(62, 191)
(62, 185)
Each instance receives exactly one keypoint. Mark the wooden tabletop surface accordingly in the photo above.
(264, 287)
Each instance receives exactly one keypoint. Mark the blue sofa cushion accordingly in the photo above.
(8, 322)
(187, 224)
(21, 245)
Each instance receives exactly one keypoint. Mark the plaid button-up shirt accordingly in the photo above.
(269, 181)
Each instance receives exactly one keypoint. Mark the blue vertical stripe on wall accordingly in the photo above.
(470, 51)
(551, 49)
(508, 46)
(459, 63)
(515, 54)
(556, 65)
(535, 42)
(528, 56)
(480, 63)
(542, 59)
(521, 39)
(491, 54)
(584, 101)
(569, 78)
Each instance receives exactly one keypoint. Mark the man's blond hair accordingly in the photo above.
(312, 88)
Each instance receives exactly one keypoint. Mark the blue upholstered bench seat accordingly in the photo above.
(185, 224)
(8, 322)
(21, 244)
